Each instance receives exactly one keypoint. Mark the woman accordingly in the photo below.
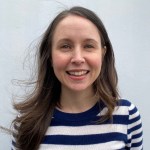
(75, 104)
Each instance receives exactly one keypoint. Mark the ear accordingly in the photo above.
(104, 51)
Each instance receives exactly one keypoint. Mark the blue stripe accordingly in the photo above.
(78, 116)
(138, 144)
(134, 120)
(13, 143)
(135, 144)
(137, 135)
(117, 119)
(120, 119)
(134, 110)
(83, 139)
(123, 102)
(134, 128)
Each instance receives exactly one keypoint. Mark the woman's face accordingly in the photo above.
(76, 53)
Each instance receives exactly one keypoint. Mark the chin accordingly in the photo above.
(79, 88)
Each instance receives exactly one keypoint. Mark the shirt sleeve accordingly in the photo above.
(134, 131)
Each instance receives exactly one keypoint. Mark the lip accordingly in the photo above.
(69, 70)
(77, 74)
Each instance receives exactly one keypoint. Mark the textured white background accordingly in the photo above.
(22, 22)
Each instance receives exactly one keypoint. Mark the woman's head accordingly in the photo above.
(104, 80)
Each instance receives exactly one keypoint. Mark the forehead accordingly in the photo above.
(74, 25)
(77, 20)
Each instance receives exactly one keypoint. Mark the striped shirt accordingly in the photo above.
(81, 132)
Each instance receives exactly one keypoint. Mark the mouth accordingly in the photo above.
(77, 73)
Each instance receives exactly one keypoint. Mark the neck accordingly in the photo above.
(77, 101)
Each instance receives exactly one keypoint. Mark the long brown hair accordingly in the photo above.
(37, 110)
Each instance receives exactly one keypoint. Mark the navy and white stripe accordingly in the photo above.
(80, 131)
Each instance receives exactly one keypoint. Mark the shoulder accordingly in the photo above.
(126, 103)
(126, 107)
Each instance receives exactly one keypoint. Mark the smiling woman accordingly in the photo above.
(75, 104)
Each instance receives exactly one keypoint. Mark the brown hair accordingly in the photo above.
(37, 110)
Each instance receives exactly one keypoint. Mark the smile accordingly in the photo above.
(78, 73)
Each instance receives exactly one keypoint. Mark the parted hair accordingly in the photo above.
(36, 111)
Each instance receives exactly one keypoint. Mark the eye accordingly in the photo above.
(88, 46)
(65, 46)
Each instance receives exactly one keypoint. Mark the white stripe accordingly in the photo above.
(136, 131)
(134, 148)
(134, 124)
(103, 146)
(136, 140)
(132, 106)
(13, 147)
(85, 130)
(121, 110)
(134, 115)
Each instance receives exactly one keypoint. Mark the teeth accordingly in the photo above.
(77, 73)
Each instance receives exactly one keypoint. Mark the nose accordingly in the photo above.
(77, 57)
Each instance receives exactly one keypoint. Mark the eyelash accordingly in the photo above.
(65, 46)
(88, 46)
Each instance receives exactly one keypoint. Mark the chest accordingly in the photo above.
(87, 137)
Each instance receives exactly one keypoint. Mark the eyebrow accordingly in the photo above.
(64, 40)
(91, 40)
(69, 40)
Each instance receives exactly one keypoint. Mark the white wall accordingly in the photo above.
(128, 25)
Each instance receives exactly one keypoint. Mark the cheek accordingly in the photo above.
(58, 62)
(96, 62)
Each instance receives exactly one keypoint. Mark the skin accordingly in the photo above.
(77, 60)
